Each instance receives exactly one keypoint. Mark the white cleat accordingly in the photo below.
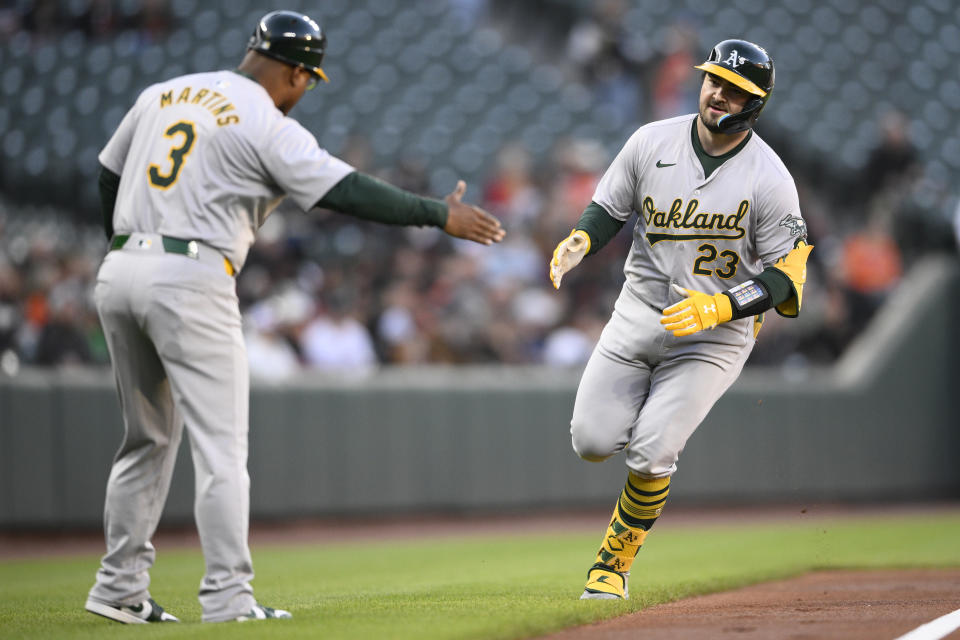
(140, 613)
(260, 612)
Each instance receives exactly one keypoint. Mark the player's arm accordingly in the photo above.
(779, 286)
(112, 159)
(594, 229)
(109, 183)
(364, 196)
(609, 209)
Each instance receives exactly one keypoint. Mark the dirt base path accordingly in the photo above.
(826, 605)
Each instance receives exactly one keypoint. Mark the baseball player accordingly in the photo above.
(718, 240)
(191, 173)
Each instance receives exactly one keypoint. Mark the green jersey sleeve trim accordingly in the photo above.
(109, 184)
(363, 196)
(599, 225)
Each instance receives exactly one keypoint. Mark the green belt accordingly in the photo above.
(172, 245)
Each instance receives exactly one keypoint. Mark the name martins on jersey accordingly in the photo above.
(705, 221)
(213, 101)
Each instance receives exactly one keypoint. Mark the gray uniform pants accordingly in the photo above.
(172, 326)
(647, 391)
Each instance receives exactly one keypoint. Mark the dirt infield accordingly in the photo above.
(847, 605)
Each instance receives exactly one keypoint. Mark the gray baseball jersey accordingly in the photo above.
(204, 159)
(708, 234)
(229, 152)
(644, 389)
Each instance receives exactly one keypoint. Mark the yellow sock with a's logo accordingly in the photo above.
(637, 509)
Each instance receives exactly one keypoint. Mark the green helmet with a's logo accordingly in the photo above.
(292, 38)
(747, 66)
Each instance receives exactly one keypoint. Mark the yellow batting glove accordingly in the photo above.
(698, 311)
(568, 254)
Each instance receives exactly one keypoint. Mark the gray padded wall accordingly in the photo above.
(879, 425)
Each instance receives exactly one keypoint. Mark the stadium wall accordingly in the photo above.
(880, 425)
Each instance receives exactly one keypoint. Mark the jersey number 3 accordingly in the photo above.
(177, 155)
(709, 254)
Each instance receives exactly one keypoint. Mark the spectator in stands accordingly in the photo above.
(511, 193)
(336, 340)
(872, 267)
(675, 88)
(605, 59)
(893, 162)
(10, 296)
(98, 20)
(61, 341)
(43, 18)
(570, 345)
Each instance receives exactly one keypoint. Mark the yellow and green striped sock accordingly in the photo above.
(637, 509)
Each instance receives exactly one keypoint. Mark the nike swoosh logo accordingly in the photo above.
(661, 165)
(602, 579)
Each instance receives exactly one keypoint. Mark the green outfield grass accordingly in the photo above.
(491, 587)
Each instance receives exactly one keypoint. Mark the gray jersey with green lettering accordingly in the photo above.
(207, 157)
(703, 233)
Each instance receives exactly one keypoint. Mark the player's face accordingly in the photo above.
(719, 97)
(301, 81)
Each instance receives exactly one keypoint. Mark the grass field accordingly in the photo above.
(504, 586)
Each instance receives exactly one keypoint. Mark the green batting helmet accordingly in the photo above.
(747, 66)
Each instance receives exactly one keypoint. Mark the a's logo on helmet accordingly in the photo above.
(734, 59)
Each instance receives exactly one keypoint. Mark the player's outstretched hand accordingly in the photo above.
(696, 312)
(470, 222)
(568, 254)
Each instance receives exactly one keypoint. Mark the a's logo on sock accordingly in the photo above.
(614, 543)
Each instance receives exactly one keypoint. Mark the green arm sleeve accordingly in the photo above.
(778, 289)
(109, 183)
(599, 225)
(778, 285)
(366, 197)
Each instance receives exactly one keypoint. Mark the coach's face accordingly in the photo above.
(298, 81)
(719, 97)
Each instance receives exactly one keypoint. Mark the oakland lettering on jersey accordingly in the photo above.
(213, 101)
(707, 226)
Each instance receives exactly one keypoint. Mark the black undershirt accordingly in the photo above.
(712, 163)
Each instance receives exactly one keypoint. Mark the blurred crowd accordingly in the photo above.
(328, 292)
(46, 20)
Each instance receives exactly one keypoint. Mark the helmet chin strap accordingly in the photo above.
(734, 123)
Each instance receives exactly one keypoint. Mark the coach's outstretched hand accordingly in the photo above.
(470, 222)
